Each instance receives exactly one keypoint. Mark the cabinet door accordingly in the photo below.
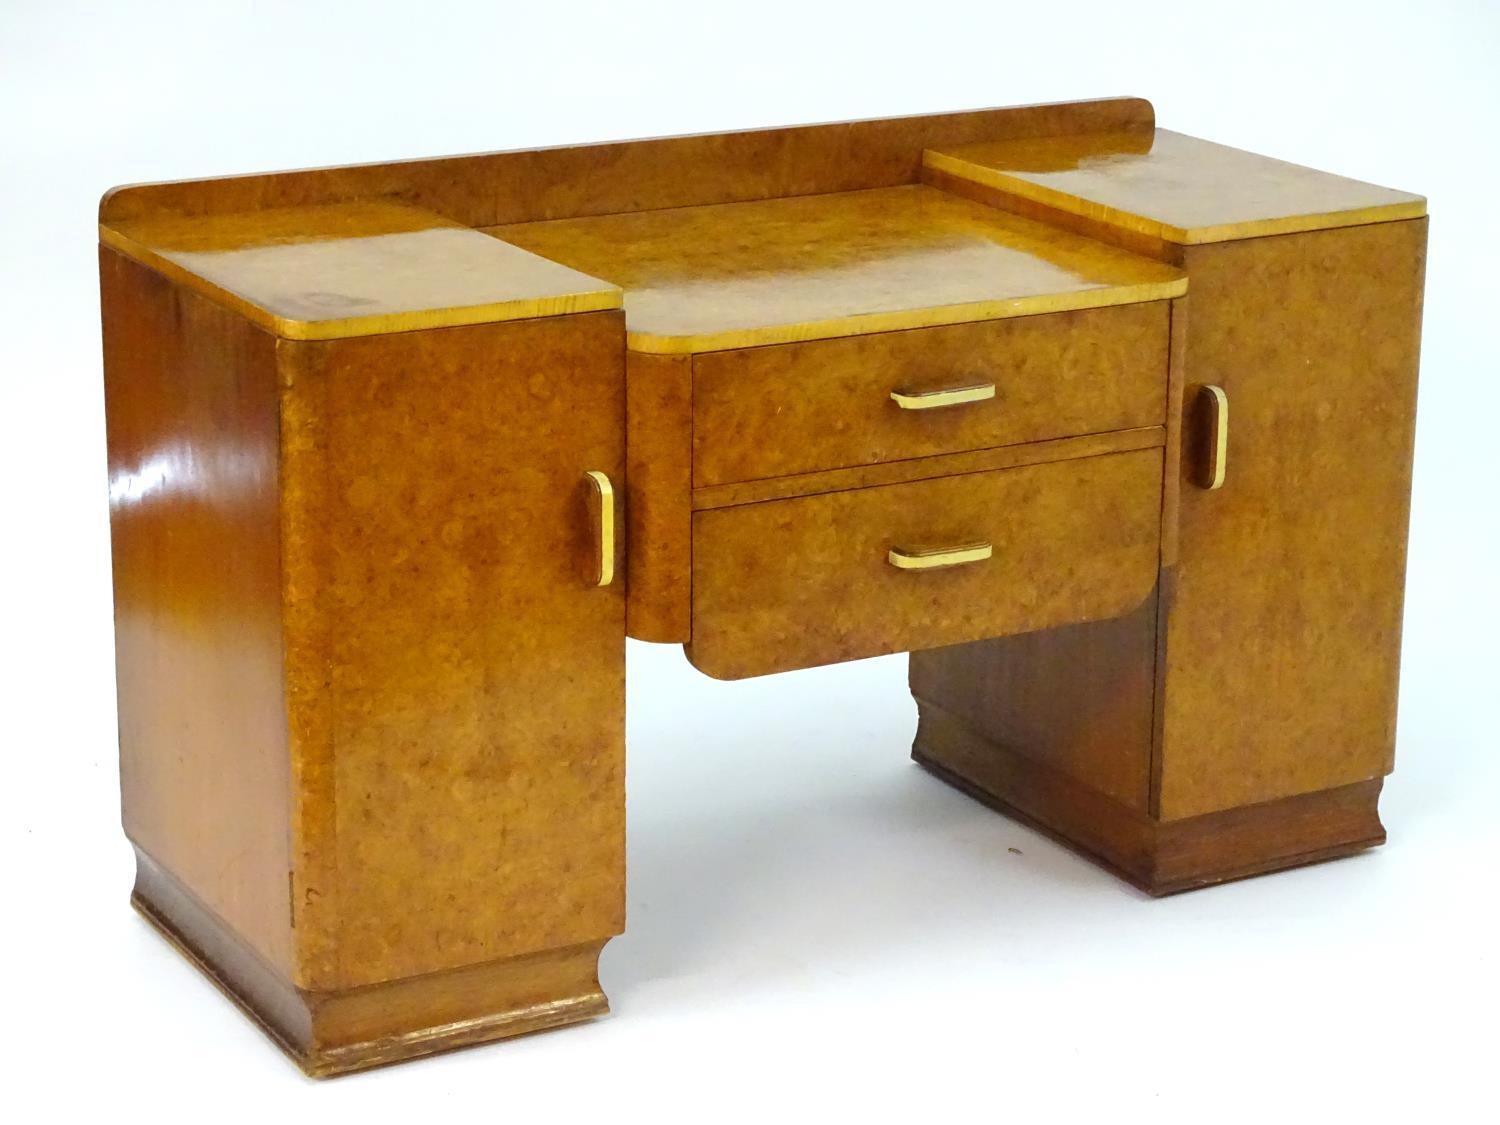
(455, 674)
(1284, 627)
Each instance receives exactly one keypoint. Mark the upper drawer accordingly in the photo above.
(826, 404)
(819, 579)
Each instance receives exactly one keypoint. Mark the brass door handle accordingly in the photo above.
(602, 516)
(953, 396)
(1215, 404)
(935, 558)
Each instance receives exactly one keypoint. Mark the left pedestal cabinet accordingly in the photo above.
(366, 665)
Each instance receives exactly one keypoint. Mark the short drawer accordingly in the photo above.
(792, 583)
(826, 404)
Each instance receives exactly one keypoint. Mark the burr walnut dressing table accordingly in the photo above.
(1109, 427)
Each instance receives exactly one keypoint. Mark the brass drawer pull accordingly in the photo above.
(602, 511)
(934, 558)
(954, 396)
(1216, 461)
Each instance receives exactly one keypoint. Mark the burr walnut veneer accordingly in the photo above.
(1109, 427)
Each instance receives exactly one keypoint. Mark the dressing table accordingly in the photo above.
(1109, 427)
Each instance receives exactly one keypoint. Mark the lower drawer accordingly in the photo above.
(793, 583)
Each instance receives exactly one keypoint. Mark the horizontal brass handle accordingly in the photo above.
(953, 396)
(934, 558)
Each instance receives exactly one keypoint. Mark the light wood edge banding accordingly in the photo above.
(901, 320)
(344, 327)
(1088, 210)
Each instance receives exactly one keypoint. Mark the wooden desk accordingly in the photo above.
(399, 455)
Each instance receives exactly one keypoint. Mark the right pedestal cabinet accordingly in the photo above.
(1242, 718)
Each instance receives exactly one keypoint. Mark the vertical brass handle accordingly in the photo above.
(1215, 404)
(602, 517)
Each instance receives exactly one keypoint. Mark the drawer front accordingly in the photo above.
(793, 583)
(826, 404)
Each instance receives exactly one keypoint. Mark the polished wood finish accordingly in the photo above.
(365, 425)
(804, 408)
(355, 1029)
(1099, 229)
(1160, 857)
(793, 583)
(743, 275)
(355, 269)
(349, 596)
(658, 506)
(926, 468)
(194, 485)
(1172, 187)
(1081, 701)
(603, 179)
(1301, 556)
(1298, 558)
(1077, 700)
(435, 536)
(1171, 488)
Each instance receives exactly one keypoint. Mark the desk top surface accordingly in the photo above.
(357, 268)
(737, 239)
(1171, 186)
(810, 267)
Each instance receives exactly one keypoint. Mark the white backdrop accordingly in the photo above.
(814, 924)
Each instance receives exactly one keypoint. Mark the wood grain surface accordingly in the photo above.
(1160, 857)
(658, 505)
(456, 688)
(355, 269)
(191, 395)
(602, 179)
(792, 583)
(803, 408)
(1079, 699)
(700, 279)
(926, 468)
(372, 699)
(1172, 187)
(328, 1033)
(1284, 639)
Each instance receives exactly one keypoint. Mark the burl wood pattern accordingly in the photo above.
(603, 179)
(926, 468)
(658, 504)
(456, 689)
(802, 408)
(1283, 642)
(737, 275)
(191, 416)
(335, 1032)
(793, 583)
(1088, 224)
(1172, 187)
(349, 597)
(354, 269)
(1276, 652)
(1081, 703)
(371, 698)
(1171, 489)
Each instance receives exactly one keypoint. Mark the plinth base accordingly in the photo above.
(329, 1033)
(1160, 857)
